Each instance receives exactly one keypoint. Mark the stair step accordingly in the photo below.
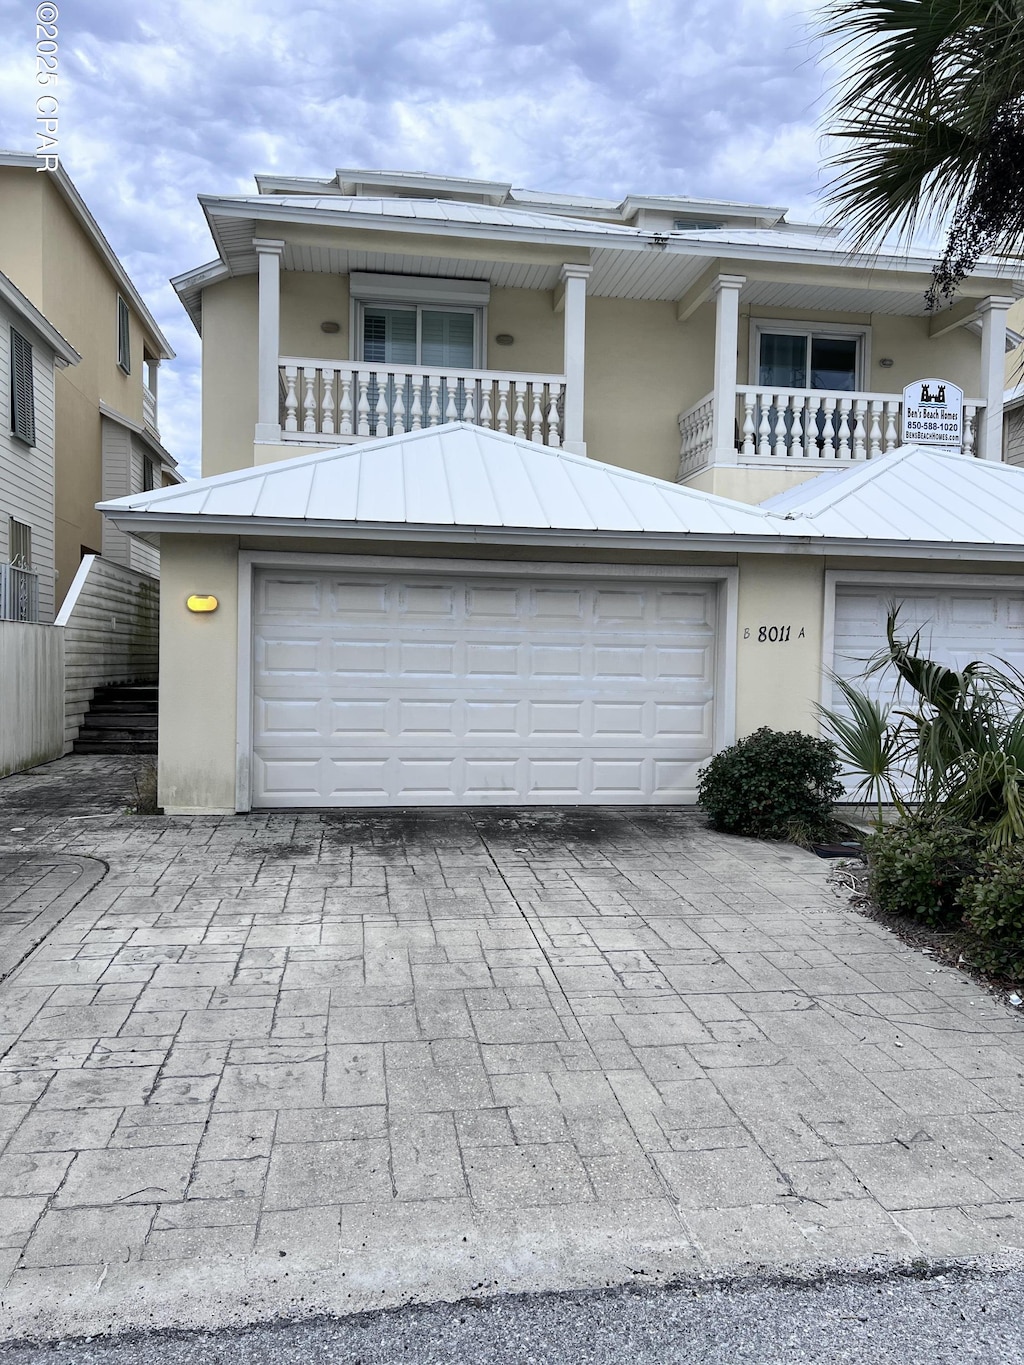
(126, 711)
(125, 746)
(122, 720)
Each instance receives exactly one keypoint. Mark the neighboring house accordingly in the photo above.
(462, 536)
(31, 350)
(106, 435)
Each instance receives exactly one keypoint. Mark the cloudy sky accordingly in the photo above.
(161, 100)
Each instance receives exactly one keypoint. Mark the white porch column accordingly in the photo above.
(726, 291)
(992, 311)
(268, 413)
(573, 300)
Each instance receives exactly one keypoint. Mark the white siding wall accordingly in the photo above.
(27, 473)
(32, 692)
(111, 620)
(123, 470)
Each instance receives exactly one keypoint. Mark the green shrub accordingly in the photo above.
(993, 904)
(772, 785)
(917, 867)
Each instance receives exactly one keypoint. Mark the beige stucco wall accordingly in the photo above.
(21, 228)
(230, 355)
(198, 670)
(48, 255)
(643, 368)
(750, 485)
(778, 682)
(307, 300)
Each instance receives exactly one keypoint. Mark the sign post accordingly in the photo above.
(933, 414)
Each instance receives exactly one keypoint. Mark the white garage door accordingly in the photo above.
(957, 624)
(379, 689)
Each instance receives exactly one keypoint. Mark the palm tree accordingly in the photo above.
(929, 116)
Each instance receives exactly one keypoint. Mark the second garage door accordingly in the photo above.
(957, 624)
(388, 689)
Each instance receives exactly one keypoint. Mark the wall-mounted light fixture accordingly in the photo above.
(504, 338)
(330, 326)
(202, 601)
(886, 362)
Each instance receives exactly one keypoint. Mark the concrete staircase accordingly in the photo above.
(122, 719)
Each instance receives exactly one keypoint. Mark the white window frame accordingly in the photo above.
(842, 330)
(419, 292)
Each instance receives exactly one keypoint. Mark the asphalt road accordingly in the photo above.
(956, 1316)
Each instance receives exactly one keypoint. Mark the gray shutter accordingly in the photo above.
(23, 406)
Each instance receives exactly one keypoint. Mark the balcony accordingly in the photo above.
(799, 427)
(19, 593)
(336, 402)
(149, 409)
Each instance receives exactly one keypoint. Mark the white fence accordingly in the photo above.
(31, 695)
(321, 398)
(111, 621)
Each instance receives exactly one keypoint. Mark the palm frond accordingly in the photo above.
(927, 114)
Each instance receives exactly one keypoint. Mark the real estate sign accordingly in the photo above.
(933, 413)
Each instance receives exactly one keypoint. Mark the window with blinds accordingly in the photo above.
(445, 338)
(124, 336)
(23, 398)
(20, 542)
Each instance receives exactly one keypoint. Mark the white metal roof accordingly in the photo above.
(917, 493)
(447, 211)
(457, 475)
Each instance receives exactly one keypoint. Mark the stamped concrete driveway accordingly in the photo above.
(323, 1062)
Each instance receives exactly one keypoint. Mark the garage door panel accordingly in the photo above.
(504, 691)
(957, 625)
(353, 717)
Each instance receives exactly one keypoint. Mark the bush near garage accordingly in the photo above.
(917, 868)
(772, 785)
(949, 754)
(993, 910)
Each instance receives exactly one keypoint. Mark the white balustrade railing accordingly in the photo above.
(696, 429)
(149, 407)
(775, 426)
(322, 399)
(19, 593)
(825, 424)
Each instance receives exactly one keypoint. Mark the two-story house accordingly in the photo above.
(31, 353)
(105, 426)
(483, 470)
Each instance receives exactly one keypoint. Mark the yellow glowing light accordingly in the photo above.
(202, 601)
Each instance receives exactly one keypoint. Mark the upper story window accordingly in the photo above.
(803, 358)
(148, 474)
(695, 224)
(419, 321)
(417, 335)
(23, 402)
(124, 336)
(20, 541)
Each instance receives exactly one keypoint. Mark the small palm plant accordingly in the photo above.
(955, 750)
